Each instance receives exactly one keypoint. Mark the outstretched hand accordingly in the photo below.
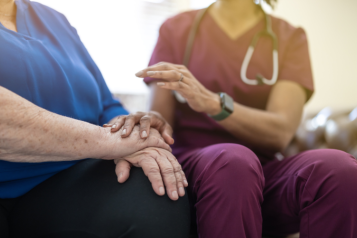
(180, 79)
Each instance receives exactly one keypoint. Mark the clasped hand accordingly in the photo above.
(149, 151)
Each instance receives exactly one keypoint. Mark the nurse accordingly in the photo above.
(53, 103)
(238, 187)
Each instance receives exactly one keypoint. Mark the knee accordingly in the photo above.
(145, 214)
(338, 168)
(163, 219)
(233, 165)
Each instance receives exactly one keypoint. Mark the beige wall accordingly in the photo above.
(331, 26)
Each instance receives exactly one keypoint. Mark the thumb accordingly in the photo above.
(122, 170)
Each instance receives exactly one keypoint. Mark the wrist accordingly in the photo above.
(105, 142)
(214, 104)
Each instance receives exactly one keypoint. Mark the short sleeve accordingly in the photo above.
(163, 51)
(295, 64)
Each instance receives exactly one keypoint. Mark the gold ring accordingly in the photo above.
(181, 78)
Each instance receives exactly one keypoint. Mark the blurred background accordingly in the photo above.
(120, 35)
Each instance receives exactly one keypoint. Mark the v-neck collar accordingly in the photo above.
(245, 33)
(21, 17)
(21, 25)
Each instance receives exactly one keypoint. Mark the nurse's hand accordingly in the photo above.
(118, 147)
(146, 120)
(160, 166)
(180, 79)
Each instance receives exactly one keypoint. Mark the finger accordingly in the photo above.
(118, 124)
(170, 75)
(107, 125)
(156, 141)
(182, 88)
(130, 121)
(152, 171)
(158, 66)
(177, 171)
(166, 66)
(155, 120)
(122, 170)
(166, 132)
(145, 124)
(169, 177)
(163, 67)
(185, 183)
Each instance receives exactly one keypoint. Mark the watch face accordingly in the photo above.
(228, 103)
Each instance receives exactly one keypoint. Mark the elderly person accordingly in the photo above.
(227, 141)
(53, 102)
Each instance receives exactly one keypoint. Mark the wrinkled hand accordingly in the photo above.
(146, 120)
(160, 166)
(197, 96)
(121, 147)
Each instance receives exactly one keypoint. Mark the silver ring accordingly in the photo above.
(181, 78)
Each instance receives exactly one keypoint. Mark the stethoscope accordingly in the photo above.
(268, 31)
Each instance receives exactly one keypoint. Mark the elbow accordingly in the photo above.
(281, 141)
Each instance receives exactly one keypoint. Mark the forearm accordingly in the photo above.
(271, 128)
(245, 123)
(31, 134)
(274, 127)
(162, 101)
(259, 128)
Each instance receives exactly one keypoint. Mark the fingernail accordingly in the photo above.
(161, 190)
(144, 134)
(174, 195)
(138, 74)
(114, 126)
(160, 84)
(123, 132)
(151, 73)
(185, 182)
(121, 174)
(182, 191)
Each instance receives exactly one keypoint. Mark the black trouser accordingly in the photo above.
(87, 201)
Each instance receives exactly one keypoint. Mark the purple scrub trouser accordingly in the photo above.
(314, 192)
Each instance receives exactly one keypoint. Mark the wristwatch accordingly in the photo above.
(227, 107)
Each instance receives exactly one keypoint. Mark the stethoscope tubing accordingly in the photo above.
(243, 71)
(260, 80)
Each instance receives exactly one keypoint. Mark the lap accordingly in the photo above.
(223, 174)
(87, 201)
(195, 161)
(296, 182)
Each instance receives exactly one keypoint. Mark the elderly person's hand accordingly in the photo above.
(161, 167)
(155, 158)
(126, 123)
(180, 79)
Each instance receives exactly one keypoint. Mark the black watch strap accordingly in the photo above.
(227, 105)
